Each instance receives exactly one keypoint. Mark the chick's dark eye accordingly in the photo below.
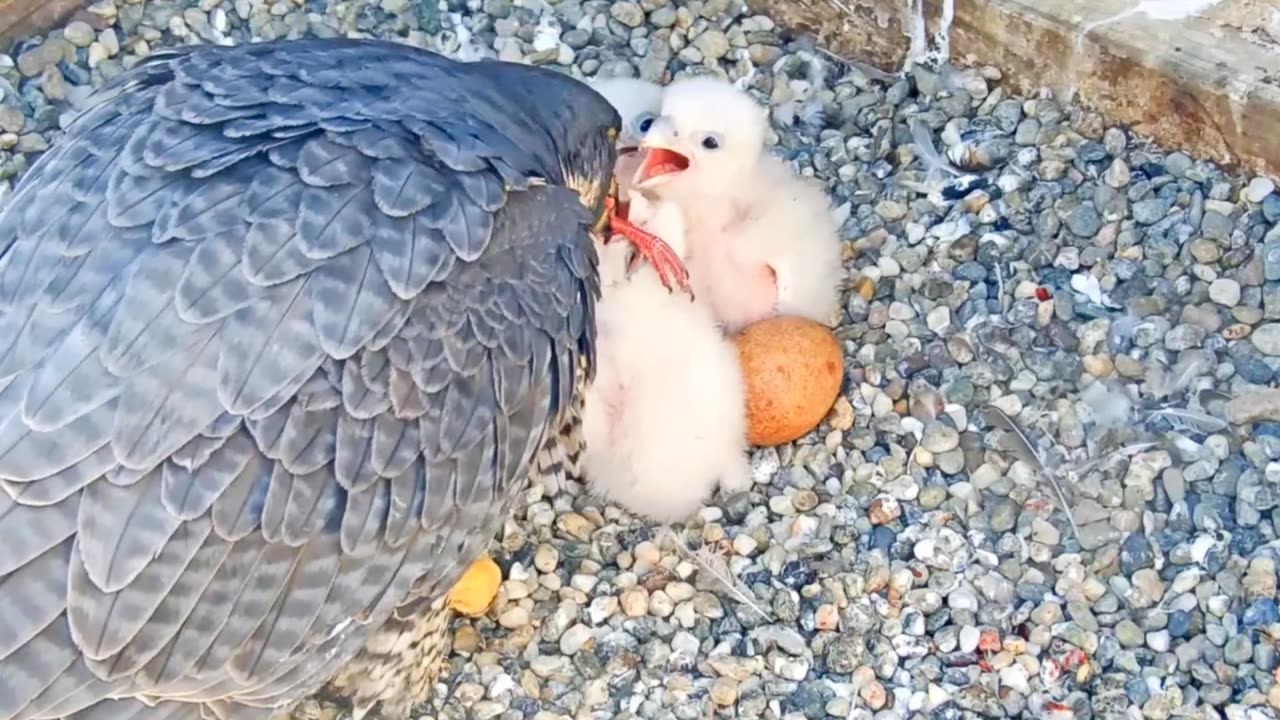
(645, 124)
(710, 143)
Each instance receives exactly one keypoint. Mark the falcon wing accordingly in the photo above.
(281, 329)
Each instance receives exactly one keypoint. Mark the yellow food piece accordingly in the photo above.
(476, 589)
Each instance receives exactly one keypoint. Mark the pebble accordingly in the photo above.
(939, 438)
(1258, 189)
(1266, 338)
(1225, 291)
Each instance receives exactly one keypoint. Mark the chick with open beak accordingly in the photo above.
(664, 155)
(637, 102)
(760, 238)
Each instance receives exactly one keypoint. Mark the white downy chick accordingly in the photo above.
(762, 240)
(664, 422)
(638, 102)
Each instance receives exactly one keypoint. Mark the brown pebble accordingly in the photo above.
(827, 617)
(873, 695)
(635, 602)
(1239, 331)
(841, 415)
(883, 510)
(724, 691)
(466, 639)
(866, 287)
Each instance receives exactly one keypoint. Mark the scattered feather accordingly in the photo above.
(1164, 383)
(1208, 398)
(934, 163)
(1120, 334)
(1087, 284)
(1026, 451)
(717, 574)
(1120, 453)
(1107, 406)
(1188, 420)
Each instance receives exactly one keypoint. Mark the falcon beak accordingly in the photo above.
(628, 162)
(609, 206)
(664, 155)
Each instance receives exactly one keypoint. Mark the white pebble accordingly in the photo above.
(1225, 292)
(679, 591)
(745, 545)
(601, 609)
(1258, 189)
(574, 639)
(969, 636)
(514, 617)
(1158, 640)
(1015, 678)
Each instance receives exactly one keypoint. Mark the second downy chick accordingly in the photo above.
(664, 422)
(637, 102)
(762, 240)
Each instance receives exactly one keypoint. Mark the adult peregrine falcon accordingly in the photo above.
(284, 329)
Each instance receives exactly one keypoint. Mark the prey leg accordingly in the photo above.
(476, 590)
(670, 268)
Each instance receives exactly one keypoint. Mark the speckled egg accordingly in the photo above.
(792, 368)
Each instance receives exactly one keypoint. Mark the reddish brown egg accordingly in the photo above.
(792, 368)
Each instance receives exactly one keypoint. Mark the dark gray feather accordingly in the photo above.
(291, 615)
(402, 187)
(332, 220)
(35, 594)
(359, 399)
(364, 517)
(238, 510)
(103, 621)
(269, 343)
(36, 665)
(121, 529)
(351, 301)
(163, 624)
(28, 531)
(213, 284)
(166, 406)
(188, 493)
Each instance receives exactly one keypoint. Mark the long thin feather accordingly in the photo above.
(717, 570)
(1027, 452)
(1190, 420)
(934, 163)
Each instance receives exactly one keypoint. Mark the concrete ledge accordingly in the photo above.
(20, 18)
(1209, 86)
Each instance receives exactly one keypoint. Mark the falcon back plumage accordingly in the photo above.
(282, 329)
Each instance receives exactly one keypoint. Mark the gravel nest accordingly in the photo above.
(1117, 305)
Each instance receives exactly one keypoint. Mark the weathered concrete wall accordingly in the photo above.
(1210, 85)
(19, 18)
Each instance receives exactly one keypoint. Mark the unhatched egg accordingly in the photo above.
(791, 368)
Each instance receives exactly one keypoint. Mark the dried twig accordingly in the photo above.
(1027, 452)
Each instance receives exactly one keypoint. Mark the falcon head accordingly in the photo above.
(582, 126)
